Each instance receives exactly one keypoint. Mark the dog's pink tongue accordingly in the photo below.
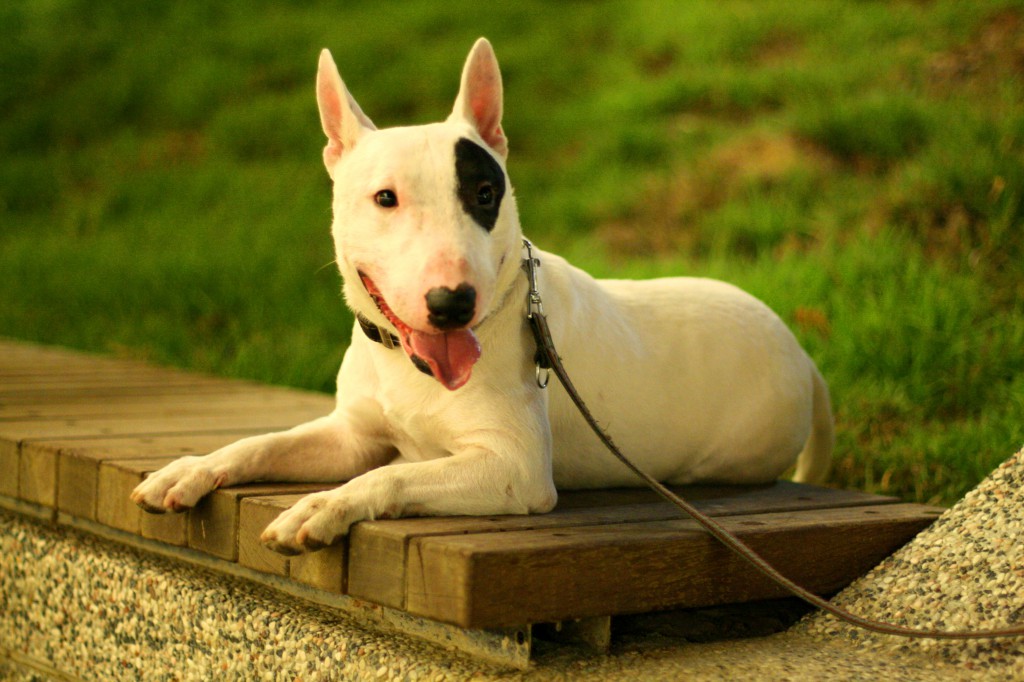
(450, 355)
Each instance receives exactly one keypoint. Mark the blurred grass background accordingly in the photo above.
(858, 165)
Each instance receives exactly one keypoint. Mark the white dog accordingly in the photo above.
(696, 380)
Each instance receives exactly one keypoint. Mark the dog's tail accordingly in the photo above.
(815, 460)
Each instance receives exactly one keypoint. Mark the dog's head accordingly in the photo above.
(425, 226)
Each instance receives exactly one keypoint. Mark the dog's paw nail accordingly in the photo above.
(285, 549)
(174, 503)
(271, 543)
(147, 507)
(314, 545)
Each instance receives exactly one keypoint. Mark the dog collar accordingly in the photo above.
(377, 334)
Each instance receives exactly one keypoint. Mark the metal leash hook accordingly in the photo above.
(535, 315)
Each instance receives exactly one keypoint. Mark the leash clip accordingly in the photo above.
(535, 315)
(530, 264)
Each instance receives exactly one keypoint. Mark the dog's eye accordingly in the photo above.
(386, 198)
(485, 194)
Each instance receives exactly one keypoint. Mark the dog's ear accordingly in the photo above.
(343, 121)
(480, 96)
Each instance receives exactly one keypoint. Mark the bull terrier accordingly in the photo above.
(439, 411)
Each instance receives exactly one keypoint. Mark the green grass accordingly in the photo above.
(857, 165)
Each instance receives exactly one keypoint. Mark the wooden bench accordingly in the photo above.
(78, 432)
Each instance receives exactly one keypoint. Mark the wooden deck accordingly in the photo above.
(78, 432)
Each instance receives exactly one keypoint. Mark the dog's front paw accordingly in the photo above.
(314, 522)
(177, 487)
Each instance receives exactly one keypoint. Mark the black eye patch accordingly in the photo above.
(481, 183)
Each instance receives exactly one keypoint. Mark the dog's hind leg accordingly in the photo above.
(815, 460)
(334, 448)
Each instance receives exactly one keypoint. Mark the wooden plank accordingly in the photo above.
(36, 475)
(85, 367)
(79, 460)
(255, 514)
(171, 529)
(324, 569)
(20, 358)
(60, 360)
(63, 365)
(43, 394)
(77, 476)
(213, 523)
(175, 404)
(210, 527)
(377, 563)
(78, 367)
(116, 480)
(726, 497)
(61, 373)
(378, 549)
(128, 447)
(9, 455)
(12, 387)
(498, 579)
(138, 424)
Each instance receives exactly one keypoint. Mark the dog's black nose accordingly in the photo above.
(451, 308)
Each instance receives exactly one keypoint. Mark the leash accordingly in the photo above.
(547, 361)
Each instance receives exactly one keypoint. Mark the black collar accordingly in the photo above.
(377, 334)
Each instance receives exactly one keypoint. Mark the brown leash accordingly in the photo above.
(547, 360)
